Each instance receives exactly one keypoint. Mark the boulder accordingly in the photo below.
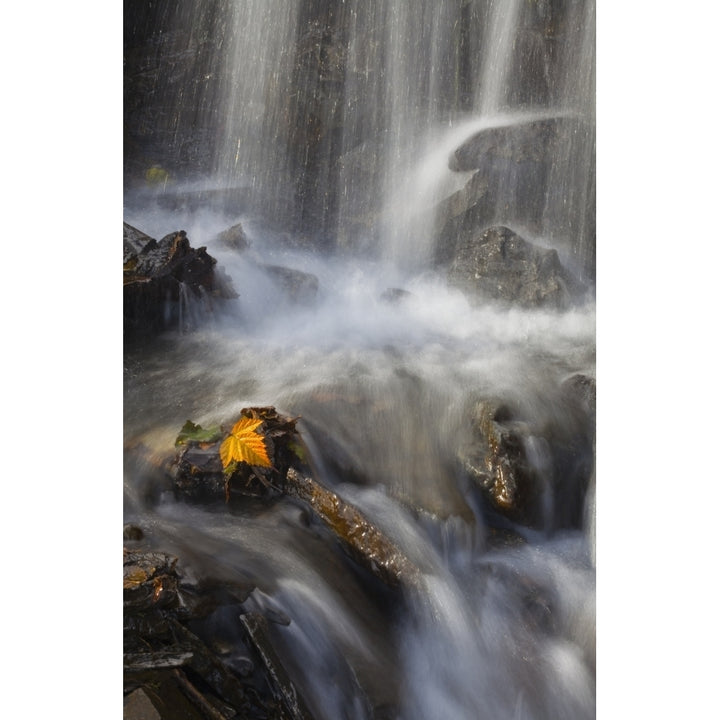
(533, 141)
(234, 238)
(499, 265)
(162, 278)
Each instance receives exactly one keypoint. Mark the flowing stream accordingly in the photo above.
(383, 389)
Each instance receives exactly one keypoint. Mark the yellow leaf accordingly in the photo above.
(245, 445)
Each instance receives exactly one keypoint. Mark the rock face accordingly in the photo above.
(170, 67)
(499, 265)
(162, 278)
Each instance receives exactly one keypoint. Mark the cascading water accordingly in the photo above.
(337, 120)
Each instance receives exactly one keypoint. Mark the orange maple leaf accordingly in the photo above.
(244, 444)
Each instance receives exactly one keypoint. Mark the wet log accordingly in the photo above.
(365, 543)
(168, 658)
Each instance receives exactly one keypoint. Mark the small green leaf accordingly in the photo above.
(298, 449)
(191, 432)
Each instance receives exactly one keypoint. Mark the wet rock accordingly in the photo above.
(498, 465)
(299, 287)
(166, 662)
(536, 471)
(572, 436)
(315, 117)
(235, 238)
(134, 242)
(461, 215)
(534, 141)
(149, 580)
(161, 278)
(359, 170)
(198, 474)
(580, 389)
(499, 265)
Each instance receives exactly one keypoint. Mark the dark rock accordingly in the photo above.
(161, 279)
(499, 265)
(359, 172)
(315, 117)
(580, 389)
(134, 242)
(572, 441)
(298, 287)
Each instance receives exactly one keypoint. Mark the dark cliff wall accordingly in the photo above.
(170, 82)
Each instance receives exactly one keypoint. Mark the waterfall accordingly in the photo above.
(328, 114)
(499, 38)
(257, 75)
